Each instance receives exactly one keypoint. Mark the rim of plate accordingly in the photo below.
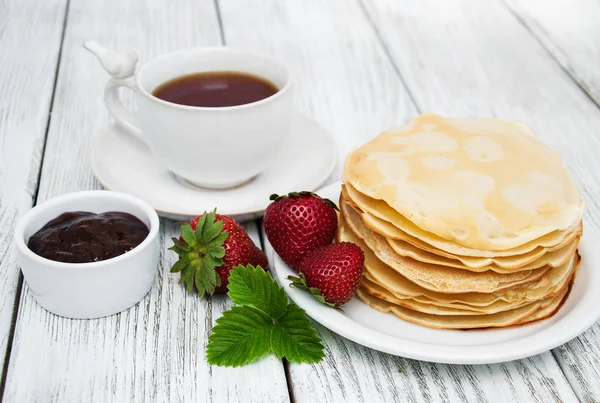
(521, 347)
(161, 212)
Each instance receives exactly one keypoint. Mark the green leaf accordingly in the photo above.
(300, 282)
(261, 322)
(255, 287)
(188, 235)
(241, 336)
(200, 226)
(187, 277)
(205, 277)
(201, 253)
(179, 246)
(216, 251)
(179, 265)
(210, 220)
(212, 262)
(212, 231)
(220, 239)
(294, 337)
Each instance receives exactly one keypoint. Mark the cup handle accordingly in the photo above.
(121, 67)
(116, 108)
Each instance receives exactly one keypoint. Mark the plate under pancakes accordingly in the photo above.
(493, 249)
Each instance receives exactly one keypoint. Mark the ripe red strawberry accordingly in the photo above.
(299, 223)
(331, 273)
(260, 259)
(213, 244)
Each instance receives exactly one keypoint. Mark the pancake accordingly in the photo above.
(551, 259)
(496, 302)
(481, 188)
(380, 217)
(525, 314)
(433, 308)
(434, 277)
(547, 287)
(402, 288)
(500, 319)
(551, 308)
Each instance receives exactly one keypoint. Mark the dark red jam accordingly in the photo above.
(83, 237)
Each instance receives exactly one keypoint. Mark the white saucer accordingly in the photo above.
(124, 164)
(388, 333)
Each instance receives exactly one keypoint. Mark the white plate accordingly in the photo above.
(122, 163)
(388, 333)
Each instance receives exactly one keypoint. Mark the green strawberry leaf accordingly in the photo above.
(200, 253)
(240, 337)
(207, 220)
(300, 282)
(179, 266)
(179, 247)
(219, 239)
(205, 277)
(214, 230)
(261, 323)
(188, 235)
(216, 250)
(255, 287)
(294, 338)
(187, 277)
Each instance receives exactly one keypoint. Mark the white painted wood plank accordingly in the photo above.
(155, 351)
(465, 58)
(476, 59)
(342, 77)
(30, 34)
(345, 80)
(570, 30)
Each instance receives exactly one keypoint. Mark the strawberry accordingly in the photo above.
(208, 248)
(331, 273)
(260, 259)
(299, 223)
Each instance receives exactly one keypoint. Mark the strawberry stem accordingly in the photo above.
(276, 197)
(200, 253)
(300, 282)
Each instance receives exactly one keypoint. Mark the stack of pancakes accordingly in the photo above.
(465, 223)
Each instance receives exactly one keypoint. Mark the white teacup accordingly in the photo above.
(216, 147)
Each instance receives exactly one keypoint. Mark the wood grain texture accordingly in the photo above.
(342, 77)
(476, 59)
(465, 58)
(346, 81)
(153, 352)
(570, 30)
(30, 35)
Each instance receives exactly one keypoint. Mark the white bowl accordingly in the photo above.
(96, 289)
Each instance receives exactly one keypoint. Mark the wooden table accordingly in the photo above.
(361, 66)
